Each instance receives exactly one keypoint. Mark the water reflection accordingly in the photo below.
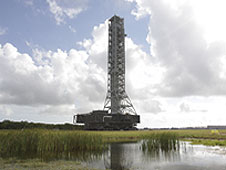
(117, 157)
(52, 156)
(153, 152)
(158, 156)
(130, 156)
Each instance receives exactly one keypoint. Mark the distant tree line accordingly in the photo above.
(7, 124)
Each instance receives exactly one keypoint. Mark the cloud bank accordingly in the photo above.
(192, 65)
(56, 78)
(60, 79)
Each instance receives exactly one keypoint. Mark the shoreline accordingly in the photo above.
(38, 164)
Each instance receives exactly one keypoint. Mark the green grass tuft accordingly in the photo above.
(165, 141)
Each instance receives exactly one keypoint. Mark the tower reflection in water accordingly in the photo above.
(127, 156)
(119, 157)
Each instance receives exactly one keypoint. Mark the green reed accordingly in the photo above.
(41, 142)
(160, 142)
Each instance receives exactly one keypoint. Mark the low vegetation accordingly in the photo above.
(6, 124)
(37, 164)
(161, 142)
(44, 143)
(47, 144)
(208, 142)
(115, 136)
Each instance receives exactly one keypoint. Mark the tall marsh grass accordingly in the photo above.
(161, 142)
(74, 144)
(46, 142)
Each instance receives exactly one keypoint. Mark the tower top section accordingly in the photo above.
(116, 19)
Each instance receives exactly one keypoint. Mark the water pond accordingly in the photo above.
(123, 156)
(127, 156)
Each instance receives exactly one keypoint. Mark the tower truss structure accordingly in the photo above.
(118, 112)
(117, 101)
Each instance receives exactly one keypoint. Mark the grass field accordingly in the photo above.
(54, 149)
(205, 136)
(37, 164)
(45, 142)
(111, 136)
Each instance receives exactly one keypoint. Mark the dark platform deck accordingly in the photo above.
(102, 120)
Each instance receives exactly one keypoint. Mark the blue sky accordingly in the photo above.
(53, 57)
(34, 23)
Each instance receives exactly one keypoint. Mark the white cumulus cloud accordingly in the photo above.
(59, 80)
(193, 65)
(66, 8)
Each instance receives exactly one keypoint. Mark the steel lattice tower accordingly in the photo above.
(118, 113)
(117, 101)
